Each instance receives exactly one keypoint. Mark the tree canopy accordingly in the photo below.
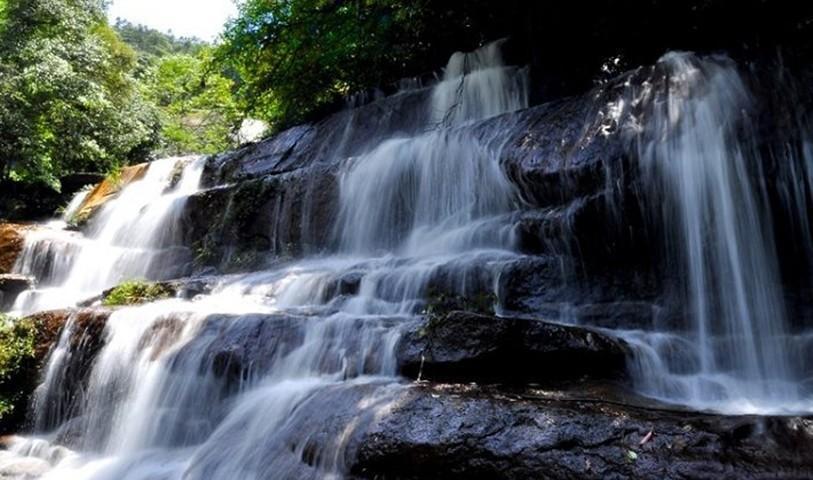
(68, 101)
(79, 95)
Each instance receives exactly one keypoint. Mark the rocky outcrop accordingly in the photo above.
(12, 239)
(468, 347)
(279, 197)
(21, 375)
(456, 432)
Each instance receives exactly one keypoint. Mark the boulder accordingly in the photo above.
(469, 347)
(455, 432)
(11, 286)
(240, 226)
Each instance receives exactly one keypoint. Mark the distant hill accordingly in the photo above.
(151, 43)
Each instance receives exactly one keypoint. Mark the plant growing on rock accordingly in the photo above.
(134, 292)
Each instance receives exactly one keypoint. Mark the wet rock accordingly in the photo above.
(468, 347)
(11, 286)
(86, 340)
(324, 143)
(457, 432)
(238, 347)
(243, 226)
(557, 287)
(48, 326)
(12, 239)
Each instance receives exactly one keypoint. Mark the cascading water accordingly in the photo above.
(235, 383)
(161, 401)
(133, 236)
(701, 171)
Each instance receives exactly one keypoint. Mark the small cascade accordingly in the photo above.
(74, 205)
(135, 235)
(398, 196)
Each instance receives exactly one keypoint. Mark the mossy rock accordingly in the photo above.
(135, 292)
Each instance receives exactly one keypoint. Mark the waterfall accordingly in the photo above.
(235, 382)
(178, 387)
(701, 171)
(133, 236)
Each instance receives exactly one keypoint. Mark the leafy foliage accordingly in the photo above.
(180, 77)
(152, 44)
(68, 101)
(17, 338)
(198, 111)
(296, 57)
(135, 292)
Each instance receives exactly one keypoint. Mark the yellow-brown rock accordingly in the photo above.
(12, 239)
(108, 189)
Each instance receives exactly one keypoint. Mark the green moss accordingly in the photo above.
(134, 292)
(17, 340)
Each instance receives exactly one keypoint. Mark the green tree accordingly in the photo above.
(68, 101)
(296, 57)
(198, 111)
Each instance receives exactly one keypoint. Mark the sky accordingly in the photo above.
(186, 18)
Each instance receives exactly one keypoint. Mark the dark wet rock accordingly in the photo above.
(242, 226)
(557, 287)
(237, 348)
(464, 432)
(468, 347)
(633, 315)
(11, 286)
(323, 143)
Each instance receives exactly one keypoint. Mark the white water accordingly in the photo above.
(159, 405)
(694, 142)
(133, 236)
